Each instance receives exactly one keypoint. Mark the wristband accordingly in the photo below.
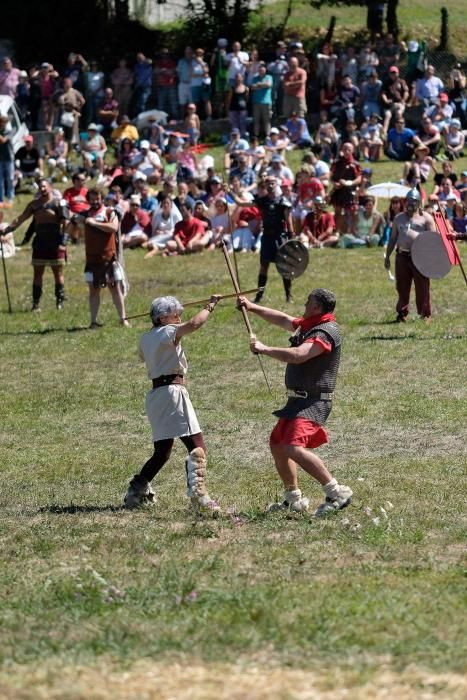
(209, 307)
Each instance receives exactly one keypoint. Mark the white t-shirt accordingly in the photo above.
(161, 225)
(160, 353)
(236, 64)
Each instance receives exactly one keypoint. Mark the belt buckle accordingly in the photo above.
(297, 393)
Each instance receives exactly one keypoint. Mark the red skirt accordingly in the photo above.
(298, 431)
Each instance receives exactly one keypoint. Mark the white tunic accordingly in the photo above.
(168, 408)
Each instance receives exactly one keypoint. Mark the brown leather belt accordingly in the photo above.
(166, 379)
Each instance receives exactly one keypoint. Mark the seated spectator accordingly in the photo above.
(277, 168)
(371, 138)
(256, 155)
(57, 153)
(189, 234)
(125, 130)
(148, 202)
(308, 188)
(192, 124)
(417, 171)
(447, 191)
(221, 225)
(454, 140)
(136, 224)
(93, 148)
(183, 196)
(171, 151)
(348, 97)
(321, 167)
(319, 227)
(400, 141)
(29, 163)
(396, 206)
(76, 199)
(327, 139)
(441, 113)
(462, 185)
(162, 227)
(107, 113)
(367, 61)
(115, 199)
(428, 89)
(234, 147)
(244, 173)
(299, 135)
(429, 135)
(447, 170)
(277, 141)
(394, 97)
(200, 211)
(147, 161)
(350, 134)
(246, 222)
(127, 151)
(368, 227)
(459, 218)
(187, 164)
(155, 134)
(370, 96)
(124, 180)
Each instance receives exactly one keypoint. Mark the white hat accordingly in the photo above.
(412, 46)
(135, 199)
(144, 144)
(274, 130)
(222, 43)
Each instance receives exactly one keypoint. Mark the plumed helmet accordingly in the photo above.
(413, 195)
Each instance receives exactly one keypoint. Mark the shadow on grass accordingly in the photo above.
(410, 336)
(46, 331)
(75, 508)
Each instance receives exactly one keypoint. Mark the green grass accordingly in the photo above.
(417, 20)
(97, 602)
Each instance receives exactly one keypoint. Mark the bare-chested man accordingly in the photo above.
(405, 229)
(48, 247)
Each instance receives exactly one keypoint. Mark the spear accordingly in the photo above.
(244, 311)
(198, 302)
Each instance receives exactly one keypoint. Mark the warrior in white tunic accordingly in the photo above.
(168, 406)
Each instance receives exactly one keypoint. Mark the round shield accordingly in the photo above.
(429, 255)
(292, 259)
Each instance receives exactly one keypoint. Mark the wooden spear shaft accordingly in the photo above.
(205, 301)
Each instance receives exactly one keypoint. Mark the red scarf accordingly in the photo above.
(307, 324)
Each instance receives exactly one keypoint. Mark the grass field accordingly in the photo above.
(97, 602)
(417, 20)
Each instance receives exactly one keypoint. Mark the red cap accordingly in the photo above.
(394, 69)
(28, 138)
(443, 97)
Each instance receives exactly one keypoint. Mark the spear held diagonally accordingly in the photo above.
(5, 277)
(198, 302)
(244, 311)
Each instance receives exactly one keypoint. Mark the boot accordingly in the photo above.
(195, 467)
(139, 493)
(59, 295)
(36, 296)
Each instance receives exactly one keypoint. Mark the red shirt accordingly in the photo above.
(186, 230)
(308, 190)
(319, 226)
(76, 199)
(141, 219)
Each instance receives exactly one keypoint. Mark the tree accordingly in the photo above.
(211, 19)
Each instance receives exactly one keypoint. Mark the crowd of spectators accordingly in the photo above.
(138, 128)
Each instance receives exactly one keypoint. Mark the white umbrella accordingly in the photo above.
(388, 190)
(142, 120)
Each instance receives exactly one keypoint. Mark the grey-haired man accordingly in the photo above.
(168, 406)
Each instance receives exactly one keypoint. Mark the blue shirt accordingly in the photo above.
(399, 141)
(262, 96)
(143, 75)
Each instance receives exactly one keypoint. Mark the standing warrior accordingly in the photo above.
(48, 247)
(168, 406)
(276, 213)
(101, 244)
(310, 378)
(405, 229)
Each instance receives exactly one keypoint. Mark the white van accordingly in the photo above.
(9, 109)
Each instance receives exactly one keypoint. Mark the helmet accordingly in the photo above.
(413, 195)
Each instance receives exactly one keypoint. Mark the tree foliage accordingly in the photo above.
(211, 19)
